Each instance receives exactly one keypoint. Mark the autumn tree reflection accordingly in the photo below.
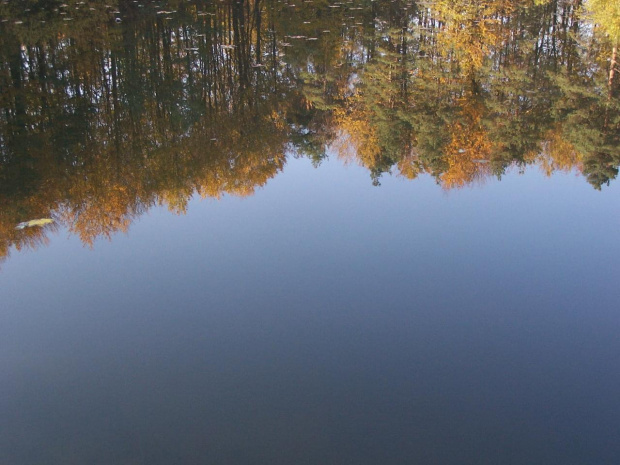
(466, 90)
(111, 108)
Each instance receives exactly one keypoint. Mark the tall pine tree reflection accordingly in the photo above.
(111, 109)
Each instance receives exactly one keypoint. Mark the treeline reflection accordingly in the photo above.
(110, 108)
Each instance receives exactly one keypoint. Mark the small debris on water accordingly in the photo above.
(32, 223)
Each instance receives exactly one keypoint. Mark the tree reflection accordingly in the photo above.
(111, 108)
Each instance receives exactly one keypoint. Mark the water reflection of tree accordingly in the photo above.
(100, 121)
(487, 86)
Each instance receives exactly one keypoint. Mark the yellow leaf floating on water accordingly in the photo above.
(31, 223)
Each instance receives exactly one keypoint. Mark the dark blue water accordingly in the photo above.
(324, 321)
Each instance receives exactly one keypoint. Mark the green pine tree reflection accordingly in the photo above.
(110, 108)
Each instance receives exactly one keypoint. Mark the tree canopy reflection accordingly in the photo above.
(111, 108)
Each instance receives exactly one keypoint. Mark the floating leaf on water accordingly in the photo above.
(31, 223)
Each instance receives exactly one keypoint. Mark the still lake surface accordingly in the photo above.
(274, 248)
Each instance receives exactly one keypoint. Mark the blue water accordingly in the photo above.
(324, 321)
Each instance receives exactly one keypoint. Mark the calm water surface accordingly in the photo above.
(397, 243)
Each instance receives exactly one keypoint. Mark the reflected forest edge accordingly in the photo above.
(110, 108)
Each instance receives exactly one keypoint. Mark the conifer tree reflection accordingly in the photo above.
(102, 120)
